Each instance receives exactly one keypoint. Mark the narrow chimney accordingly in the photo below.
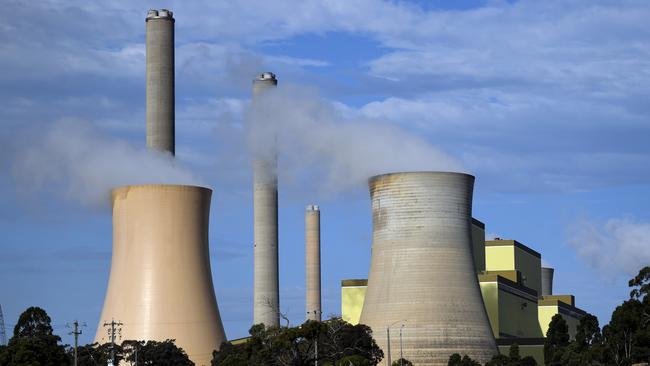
(312, 262)
(160, 80)
(547, 281)
(266, 296)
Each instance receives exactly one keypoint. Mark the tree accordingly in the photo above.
(641, 285)
(456, 360)
(34, 342)
(94, 354)
(513, 355)
(165, 353)
(338, 342)
(528, 361)
(557, 340)
(402, 362)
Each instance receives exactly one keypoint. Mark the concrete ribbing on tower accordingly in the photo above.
(547, 281)
(160, 286)
(312, 262)
(266, 296)
(422, 272)
(160, 81)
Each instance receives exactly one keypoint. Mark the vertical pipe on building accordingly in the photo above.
(266, 294)
(312, 262)
(160, 81)
(547, 281)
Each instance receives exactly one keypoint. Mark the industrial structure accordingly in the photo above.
(160, 286)
(432, 274)
(516, 291)
(312, 262)
(160, 81)
(266, 288)
(422, 275)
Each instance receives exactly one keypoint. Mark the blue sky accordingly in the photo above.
(546, 103)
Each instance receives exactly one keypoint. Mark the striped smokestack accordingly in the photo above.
(266, 296)
(312, 262)
(160, 81)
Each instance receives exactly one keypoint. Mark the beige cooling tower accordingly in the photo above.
(422, 277)
(160, 286)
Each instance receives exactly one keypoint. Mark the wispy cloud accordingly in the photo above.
(617, 246)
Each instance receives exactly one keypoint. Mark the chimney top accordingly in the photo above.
(312, 208)
(160, 14)
(266, 76)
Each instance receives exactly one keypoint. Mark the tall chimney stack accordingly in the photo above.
(160, 81)
(547, 281)
(312, 262)
(266, 296)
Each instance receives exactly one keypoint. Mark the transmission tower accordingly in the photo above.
(3, 333)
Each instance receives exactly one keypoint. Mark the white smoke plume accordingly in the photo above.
(318, 143)
(73, 160)
(619, 246)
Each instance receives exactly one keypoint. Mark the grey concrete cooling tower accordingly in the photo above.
(422, 277)
(266, 297)
(160, 80)
(160, 286)
(312, 262)
(547, 281)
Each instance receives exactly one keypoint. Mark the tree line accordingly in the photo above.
(624, 341)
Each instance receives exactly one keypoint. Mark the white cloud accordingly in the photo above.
(614, 247)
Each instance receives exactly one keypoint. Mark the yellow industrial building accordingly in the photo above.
(510, 277)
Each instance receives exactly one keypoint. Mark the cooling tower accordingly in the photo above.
(160, 80)
(312, 262)
(422, 272)
(266, 297)
(160, 286)
(547, 281)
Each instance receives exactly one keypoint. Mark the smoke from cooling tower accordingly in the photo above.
(77, 161)
(321, 145)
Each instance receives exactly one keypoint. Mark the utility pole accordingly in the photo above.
(401, 355)
(388, 340)
(111, 333)
(76, 332)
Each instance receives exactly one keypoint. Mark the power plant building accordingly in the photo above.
(517, 312)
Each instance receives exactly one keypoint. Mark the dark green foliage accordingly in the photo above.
(498, 360)
(34, 342)
(627, 339)
(402, 362)
(155, 353)
(513, 353)
(95, 354)
(641, 285)
(557, 340)
(456, 360)
(513, 358)
(528, 361)
(339, 343)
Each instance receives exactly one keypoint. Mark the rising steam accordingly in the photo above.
(73, 160)
(318, 144)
